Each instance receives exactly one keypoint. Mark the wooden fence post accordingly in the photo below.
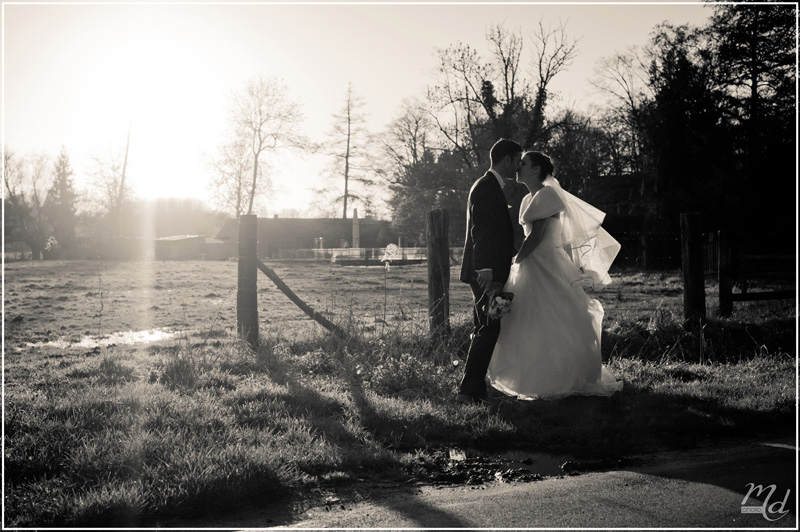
(694, 294)
(247, 293)
(724, 275)
(438, 273)
(356, 230)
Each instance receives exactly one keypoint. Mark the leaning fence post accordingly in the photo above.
(694, 294)
(246, 295)
(724, 273)
(438, 273)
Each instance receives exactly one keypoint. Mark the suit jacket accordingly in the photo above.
(489, 241)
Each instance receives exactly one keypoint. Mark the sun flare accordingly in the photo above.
(161, 89)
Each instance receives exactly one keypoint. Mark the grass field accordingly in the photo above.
(129, 400)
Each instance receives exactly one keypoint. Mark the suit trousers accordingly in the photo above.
(484, 337)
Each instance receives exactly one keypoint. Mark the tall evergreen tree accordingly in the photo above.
(687, 138)
(754, 48)
(60, 208)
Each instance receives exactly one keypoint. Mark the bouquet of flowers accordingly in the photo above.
(499, 302)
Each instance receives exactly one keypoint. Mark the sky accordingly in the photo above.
(79, 75)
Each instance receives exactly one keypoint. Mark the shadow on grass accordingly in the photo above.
(641, 419)
(719, 340)
(676, 407)
(671, 405)
(635, 421)
(329, 418)
(376, 432)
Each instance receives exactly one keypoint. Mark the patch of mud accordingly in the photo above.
(468, 467)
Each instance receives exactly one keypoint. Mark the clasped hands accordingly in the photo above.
(484, 279)
(531, 241)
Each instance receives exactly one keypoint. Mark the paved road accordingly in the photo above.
(700, 488)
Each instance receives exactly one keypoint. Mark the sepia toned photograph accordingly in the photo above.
(399, 265)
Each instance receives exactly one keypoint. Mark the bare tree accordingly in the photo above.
(554, 51)
(349, 142)
(623, 78)
(112, 191)
(474, 102)
(405, 140)
(456, 100)
(265, 120)
(232, 166)
(26, 187)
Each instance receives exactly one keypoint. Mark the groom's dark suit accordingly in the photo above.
(489, 245)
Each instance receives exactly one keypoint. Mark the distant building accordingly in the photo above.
(183, 247)
(276, 234)
(216, 249)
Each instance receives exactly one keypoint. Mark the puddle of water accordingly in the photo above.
(117, 338)
(546, 465)
(543, 464)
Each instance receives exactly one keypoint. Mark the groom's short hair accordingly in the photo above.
(502, 149)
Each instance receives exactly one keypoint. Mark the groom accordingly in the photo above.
(488, 251)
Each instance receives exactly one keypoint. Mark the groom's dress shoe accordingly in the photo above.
(471, 399)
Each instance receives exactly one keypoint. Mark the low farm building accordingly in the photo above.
(183, 247)
(276, 234)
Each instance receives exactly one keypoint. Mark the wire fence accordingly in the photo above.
(346, 255)
(638, 250)
(647, 278)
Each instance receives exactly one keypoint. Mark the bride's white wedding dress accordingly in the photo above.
(549, 344)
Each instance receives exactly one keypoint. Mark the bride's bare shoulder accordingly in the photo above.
(545, 191)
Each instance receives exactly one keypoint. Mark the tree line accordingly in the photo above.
(700, 118)
(43, 209)
(703, 118)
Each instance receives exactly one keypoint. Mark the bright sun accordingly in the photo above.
(170, 97)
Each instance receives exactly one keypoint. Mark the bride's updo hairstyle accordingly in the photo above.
(543, 161)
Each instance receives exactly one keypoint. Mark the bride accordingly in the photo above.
(549, 344)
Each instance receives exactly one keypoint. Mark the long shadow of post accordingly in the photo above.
(325, 414)
(586, 427)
